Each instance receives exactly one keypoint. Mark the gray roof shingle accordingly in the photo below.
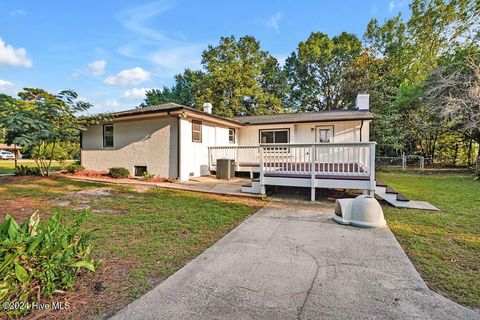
(321, 116)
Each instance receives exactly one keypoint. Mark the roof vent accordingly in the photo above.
(207, 107)
(362, 102)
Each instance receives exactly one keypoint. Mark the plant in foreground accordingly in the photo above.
(38, 260)
(119, 173)
(147, 176)
(23, 170)
(74, 168)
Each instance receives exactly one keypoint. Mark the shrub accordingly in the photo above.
(22, 170)
(477, 173)
(74, 168)
(147, 176)
(36, 260)
(119, 173)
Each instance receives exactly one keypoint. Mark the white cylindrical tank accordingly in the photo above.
(367, 212)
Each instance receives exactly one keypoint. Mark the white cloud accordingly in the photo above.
(97, 67)
(273, 21)
(13, 57)
(174, 60)
(129, 77)
(7, 87)
(134, 19)
(396, 5)
(112, 103)
(171, 52)
(135, 93)
(17, 12)
(391, 6)
(4, 83)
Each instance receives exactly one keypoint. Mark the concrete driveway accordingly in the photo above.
(293, 262)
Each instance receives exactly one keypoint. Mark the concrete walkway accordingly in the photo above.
(294, 262)
(207, 184)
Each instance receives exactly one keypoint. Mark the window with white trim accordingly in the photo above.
(231, 135)
(108, 135)
(196, 131)
(275, 136)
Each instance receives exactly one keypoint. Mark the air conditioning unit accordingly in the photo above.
(363, 211)
(225, 169)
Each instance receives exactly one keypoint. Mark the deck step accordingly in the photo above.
(254, 187)
(398, 200)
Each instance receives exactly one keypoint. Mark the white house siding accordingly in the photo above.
(194, 155)
(344, 131)
(147, 142)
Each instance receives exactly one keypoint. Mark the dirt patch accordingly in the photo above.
(90, 193)
(93, 292)
(109, 211)
(20, 209)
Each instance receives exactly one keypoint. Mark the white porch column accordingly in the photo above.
(372, 169)
(262, 185)
(313, 152)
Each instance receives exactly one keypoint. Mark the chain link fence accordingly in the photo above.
(419, 164)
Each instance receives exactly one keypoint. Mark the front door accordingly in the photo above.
(323, 134)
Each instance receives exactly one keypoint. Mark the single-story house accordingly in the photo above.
(309, 149)
(12, 148)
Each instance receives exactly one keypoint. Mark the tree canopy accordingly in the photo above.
(40, 121)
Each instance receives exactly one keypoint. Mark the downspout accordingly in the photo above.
(361, 130)
(178, 143)
(178, 147)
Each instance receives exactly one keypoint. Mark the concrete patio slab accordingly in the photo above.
(294, 262)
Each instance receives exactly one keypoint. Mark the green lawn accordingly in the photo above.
(142, 236)
(444, 246)
(8, 166)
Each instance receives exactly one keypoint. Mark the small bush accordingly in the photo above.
(36, 260)
(477, 173)
(147, 176)
(22, 170)
(119, 173)
(74, 168)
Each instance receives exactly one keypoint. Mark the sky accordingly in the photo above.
(110, 52)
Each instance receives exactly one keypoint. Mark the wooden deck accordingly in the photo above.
(318, 165)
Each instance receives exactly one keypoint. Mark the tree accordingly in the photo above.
(453, 92)
(434, 27)
(39, 121)
(185, 90)
(316, 71)
(241, 79)
(411, 48)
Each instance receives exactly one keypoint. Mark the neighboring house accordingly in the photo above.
(12, 148)
(328, 149)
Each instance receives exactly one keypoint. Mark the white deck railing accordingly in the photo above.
(244, 156)
(355, 160)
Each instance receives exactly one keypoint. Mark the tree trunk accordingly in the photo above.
(469, 153)
(478, 158)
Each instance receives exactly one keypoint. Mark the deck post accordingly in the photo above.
(209, 159)
(312, 172)
(372, 168)
(262, 185)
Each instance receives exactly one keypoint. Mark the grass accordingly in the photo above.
(8, 166)
(142, 236)
(444, 246)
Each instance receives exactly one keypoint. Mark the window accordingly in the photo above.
(108, 135)
(196, 131)
(275, 136)
(324, 134)
(139, 170)
(231, 135)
